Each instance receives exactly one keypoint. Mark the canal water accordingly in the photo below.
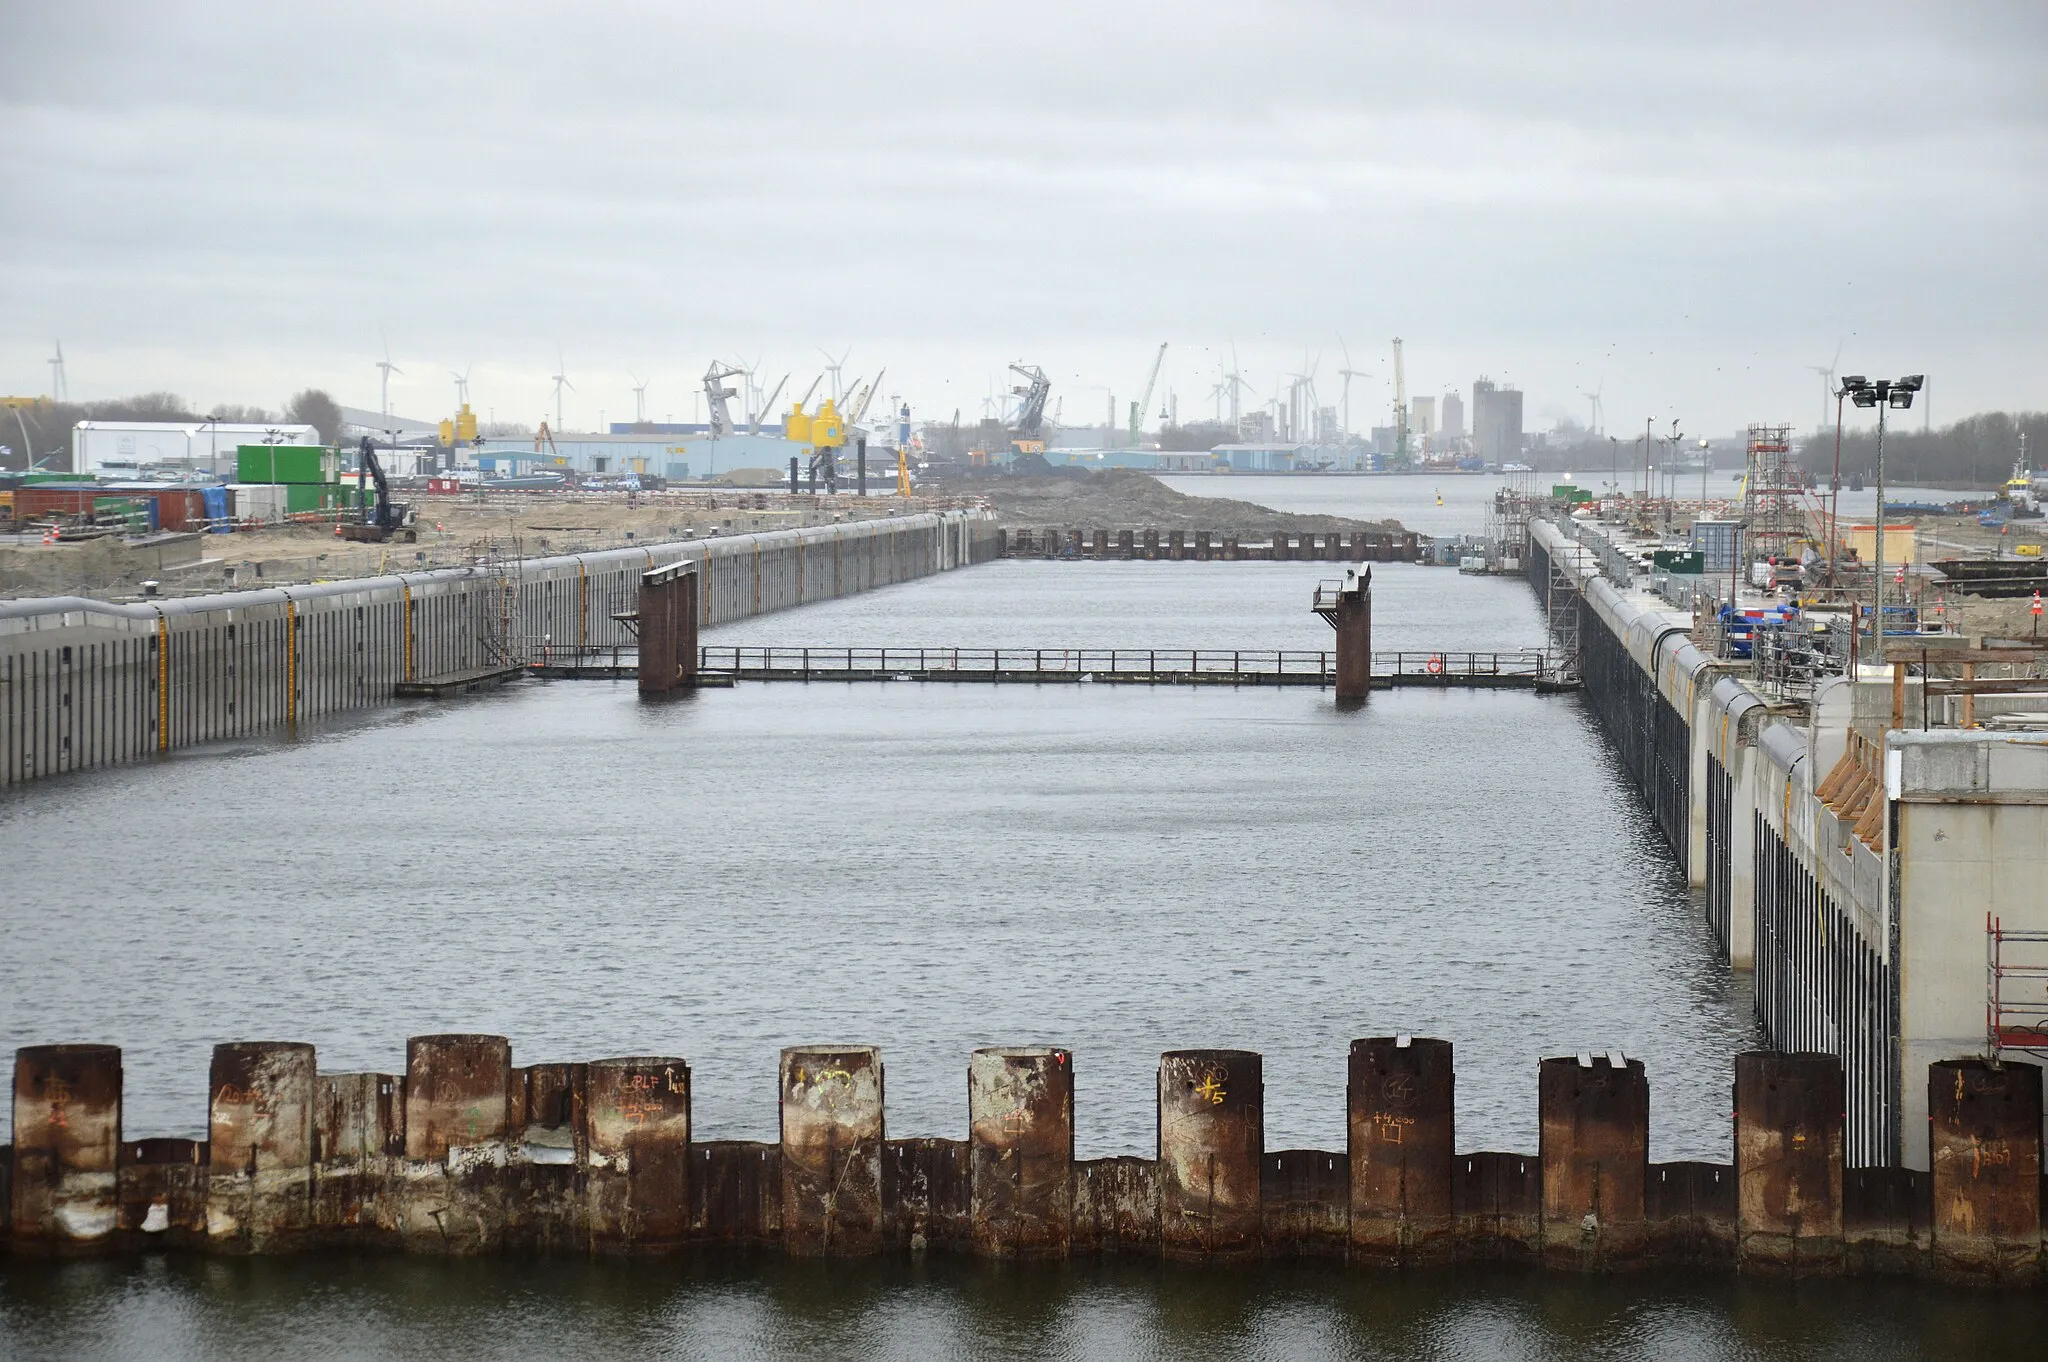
(1119, 870)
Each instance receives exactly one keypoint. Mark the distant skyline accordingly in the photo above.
(1685, 211)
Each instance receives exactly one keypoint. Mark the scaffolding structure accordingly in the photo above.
(2016, 1002)
(1772, 493)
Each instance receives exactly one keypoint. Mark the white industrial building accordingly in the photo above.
(125, 448)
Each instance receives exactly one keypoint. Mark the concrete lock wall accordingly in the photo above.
(1851, 865)
(85, 683)
(466, 1152)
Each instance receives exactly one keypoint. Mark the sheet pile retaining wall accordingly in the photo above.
(1786, 890)
(86, 683)
(463, 1152)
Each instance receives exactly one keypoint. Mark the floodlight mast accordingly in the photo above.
(1884, 394)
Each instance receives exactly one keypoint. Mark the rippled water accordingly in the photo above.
(348, 1308)
(927, 868)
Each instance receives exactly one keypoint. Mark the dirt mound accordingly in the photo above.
(1124, 499)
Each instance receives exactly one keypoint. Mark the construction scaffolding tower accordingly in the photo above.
(2016, 1005)
(1772, 491)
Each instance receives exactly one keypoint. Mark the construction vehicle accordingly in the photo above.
(376, 523)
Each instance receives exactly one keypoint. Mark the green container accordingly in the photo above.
(282, 463)
(1684, 562)
(306, 496)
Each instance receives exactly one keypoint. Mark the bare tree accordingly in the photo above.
(315, 408)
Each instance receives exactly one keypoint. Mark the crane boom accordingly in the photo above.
(1151, 381)
(1400, 406)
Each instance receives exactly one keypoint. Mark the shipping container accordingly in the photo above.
(285, 463)
(257, 501)
(304, 496)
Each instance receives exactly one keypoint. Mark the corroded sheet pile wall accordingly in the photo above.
(85, 683)
(465, 1152)
(1784, 893)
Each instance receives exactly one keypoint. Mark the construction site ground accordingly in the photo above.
(450, 531)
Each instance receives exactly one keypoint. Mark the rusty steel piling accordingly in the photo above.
(1020, 1111)
(1984, 1140)
(67, 1136)
(637, 1153)
(1400, 1123)
(464, 1153)
(1211, 1152)
(259, 1132)
(1593, 1114)
(832, 1133)
(1788, 1162)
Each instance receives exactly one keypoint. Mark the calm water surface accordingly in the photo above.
(927, 868)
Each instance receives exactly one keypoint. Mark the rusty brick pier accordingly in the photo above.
(465, 1152)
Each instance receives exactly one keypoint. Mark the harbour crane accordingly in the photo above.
(1400, 406)
(766, 407)
(716, 395)
(1151, 381)
(1031, 410)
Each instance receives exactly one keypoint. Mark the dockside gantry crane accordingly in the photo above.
(1139, 407)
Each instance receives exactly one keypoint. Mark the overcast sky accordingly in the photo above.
(1684, 205)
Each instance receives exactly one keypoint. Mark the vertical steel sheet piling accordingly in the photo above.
(259, 1124)
(67, 1137)
(358, 1129)
(637, 1119)
(1788, 1161)
(1151, 543)
(161, 1185)
(1020, 1110)
(453, 1193)
(1211, 1120)
(1202, 553)
(832, 1132)
(1984, 1140)
(1399, 1109)
(1102, 543)
(1176, 544)
(454, 1093)
(1594, 1119)
(1278, 551)
(1353, 621)
(668, 628)
(1124, 542)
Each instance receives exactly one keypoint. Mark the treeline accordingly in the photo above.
(1978, 450)
(45, 426)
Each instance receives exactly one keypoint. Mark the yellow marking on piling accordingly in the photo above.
(582, 605)
(163, 683)
(291, 661)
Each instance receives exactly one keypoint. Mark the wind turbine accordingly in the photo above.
(561, 381)
(639, 398)
(461, 385)
(832, 367)
(58, 389)
(1348, 373)
(1594, 412)
(386, 370)
(1827, 379)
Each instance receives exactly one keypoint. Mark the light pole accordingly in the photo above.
(1880, 393)
(1835, 494)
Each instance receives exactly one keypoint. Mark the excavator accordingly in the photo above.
(377, 523)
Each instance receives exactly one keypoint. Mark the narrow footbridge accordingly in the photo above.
(1524, 669)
